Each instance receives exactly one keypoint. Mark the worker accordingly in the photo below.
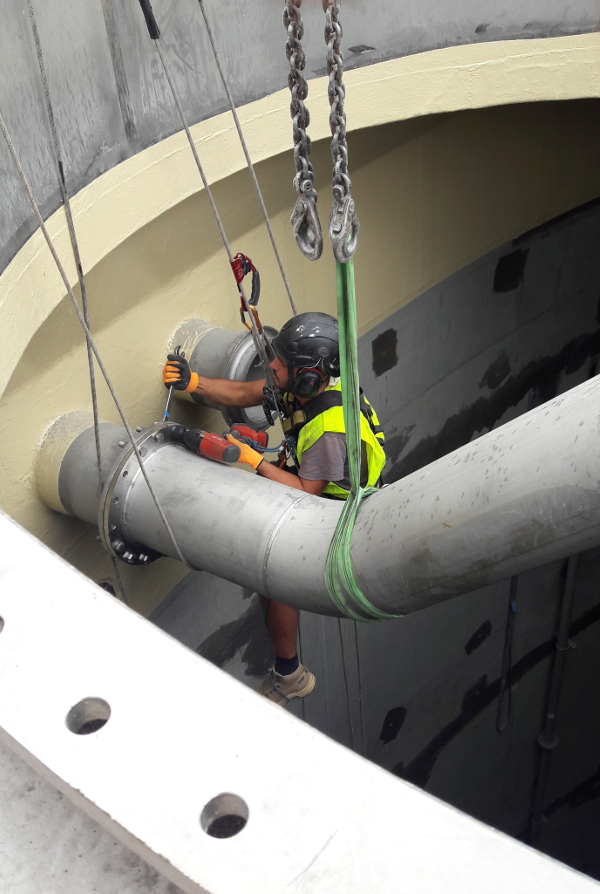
(305, 369)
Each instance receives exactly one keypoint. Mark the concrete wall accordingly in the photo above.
(111, 100)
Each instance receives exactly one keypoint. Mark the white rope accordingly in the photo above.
(247, 156)
(84, 302)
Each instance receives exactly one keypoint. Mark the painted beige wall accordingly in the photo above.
(434, 191)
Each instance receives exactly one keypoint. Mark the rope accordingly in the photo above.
(247, 155)
(346, 687)
(85, 328)
(255, 332)
(360, 698)
(76, 253)
(67, 206)
(341, 584)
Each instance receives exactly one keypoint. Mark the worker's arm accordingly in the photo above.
(229, 393)
(253, 458)
(177, 374)
(274, 473)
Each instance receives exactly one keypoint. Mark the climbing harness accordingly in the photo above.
(305, 218)
(258, 334)
(247, 155)
(344, 225)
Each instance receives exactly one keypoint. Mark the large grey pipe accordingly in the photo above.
(516, 498)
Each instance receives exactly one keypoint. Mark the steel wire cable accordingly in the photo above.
(360, 696)
(88, 334)
(255, 333)
(247, 155)
(78, 263)
(346, 687)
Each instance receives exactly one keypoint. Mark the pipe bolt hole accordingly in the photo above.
(125, 473)
(88, 716)
(1, 623)
(224, 816)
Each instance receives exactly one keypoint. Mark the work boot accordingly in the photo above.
(280, 689)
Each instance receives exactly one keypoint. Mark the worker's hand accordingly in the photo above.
(178, 375)
(247, 455)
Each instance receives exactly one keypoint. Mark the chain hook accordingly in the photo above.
(344, 226)
(306, 224)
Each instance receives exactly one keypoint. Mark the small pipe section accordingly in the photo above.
(221, 354)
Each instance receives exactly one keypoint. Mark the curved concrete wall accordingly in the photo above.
(434, 193)
(111, 99)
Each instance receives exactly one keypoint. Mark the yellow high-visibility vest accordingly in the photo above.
(332, 419)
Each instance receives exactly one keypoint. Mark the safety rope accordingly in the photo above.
(85, 328)
(339, 576)
(79, 266)
(257, 333)
(247, 155)
(346, 686)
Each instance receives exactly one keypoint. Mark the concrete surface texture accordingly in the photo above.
(112, 101)
(478, 287)
(149, 739)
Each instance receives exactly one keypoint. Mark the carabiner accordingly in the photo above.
(344, 226)
(306, 223)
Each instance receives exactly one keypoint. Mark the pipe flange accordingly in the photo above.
(112, 521)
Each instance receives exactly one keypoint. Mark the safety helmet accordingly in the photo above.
(309, 345)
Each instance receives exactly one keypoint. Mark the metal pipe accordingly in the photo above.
(516, 498)
(221, 354)
(547, 739)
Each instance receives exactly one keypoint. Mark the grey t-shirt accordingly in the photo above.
(327, 460)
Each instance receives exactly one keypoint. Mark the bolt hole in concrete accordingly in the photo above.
(88, 716)
(224, 816)
(106, 585)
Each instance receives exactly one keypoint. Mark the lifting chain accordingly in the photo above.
(304, 219)
(343, 222)
(344, 225)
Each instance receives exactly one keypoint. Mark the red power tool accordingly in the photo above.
(207, 444)
(258, 440)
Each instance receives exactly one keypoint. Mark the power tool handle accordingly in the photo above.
(215, 447)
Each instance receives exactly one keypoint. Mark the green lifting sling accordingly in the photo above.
(341, 584)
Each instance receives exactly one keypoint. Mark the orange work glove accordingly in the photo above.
(178, 375)
(247, 455)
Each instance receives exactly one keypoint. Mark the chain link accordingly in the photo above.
(304, 219)
(344, 225)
